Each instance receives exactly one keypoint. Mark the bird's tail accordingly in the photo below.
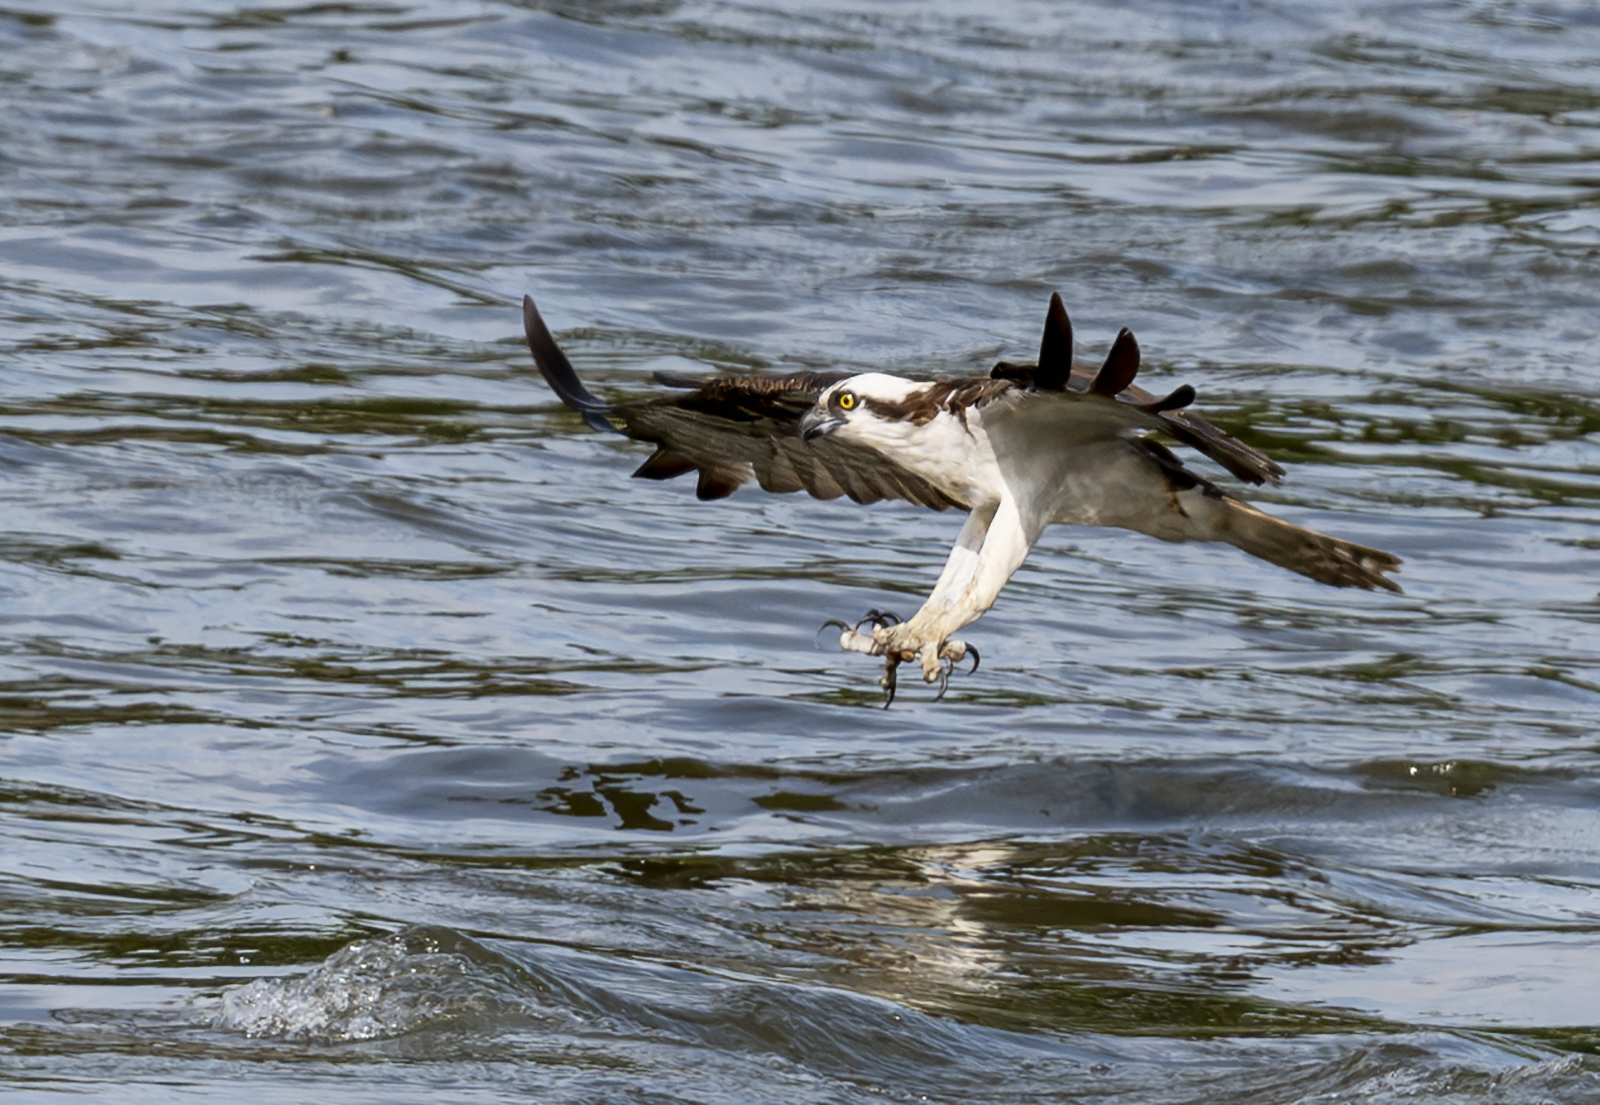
(1322, 558)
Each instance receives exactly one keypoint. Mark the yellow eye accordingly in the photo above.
(847, 400)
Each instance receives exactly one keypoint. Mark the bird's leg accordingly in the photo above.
(992, 545)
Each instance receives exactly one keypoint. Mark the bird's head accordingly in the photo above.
(855, 404)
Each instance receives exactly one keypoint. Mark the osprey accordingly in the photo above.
(1018, 449)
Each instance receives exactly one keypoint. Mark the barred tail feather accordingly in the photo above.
(1316, 555)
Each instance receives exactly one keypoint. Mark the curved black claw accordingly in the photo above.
(948, 667)
(877, 618)
(837, 622)
(888, 681)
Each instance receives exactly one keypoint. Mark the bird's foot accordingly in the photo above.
(898, 644)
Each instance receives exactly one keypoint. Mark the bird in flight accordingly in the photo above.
(1023, 447)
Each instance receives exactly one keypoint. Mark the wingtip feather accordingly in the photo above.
(1121, 366)
(558, 371)
(1055, 348)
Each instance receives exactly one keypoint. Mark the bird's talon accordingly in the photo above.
(956, 651)
(878, 619)
(889, 638)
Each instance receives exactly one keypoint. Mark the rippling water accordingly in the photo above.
(368, 735)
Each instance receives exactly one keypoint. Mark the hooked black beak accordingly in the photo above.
(816, 422)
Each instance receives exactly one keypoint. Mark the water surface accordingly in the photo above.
(368, 735)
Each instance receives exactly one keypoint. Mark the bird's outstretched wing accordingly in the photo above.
(734, 429)
(1055, 371)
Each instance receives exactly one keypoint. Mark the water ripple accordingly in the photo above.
(362, 722)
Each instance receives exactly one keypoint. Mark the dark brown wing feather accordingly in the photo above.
(1055, 372)
(734, 429)
(558, 371)
(1244, 461)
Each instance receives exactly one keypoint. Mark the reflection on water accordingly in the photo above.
(360, 719)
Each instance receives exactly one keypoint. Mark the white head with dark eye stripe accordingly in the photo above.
(850, 402)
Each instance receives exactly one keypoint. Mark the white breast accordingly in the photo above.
(952, 454)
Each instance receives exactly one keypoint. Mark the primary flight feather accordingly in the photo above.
(1024, 447)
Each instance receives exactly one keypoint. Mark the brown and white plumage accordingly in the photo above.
(1020, 449)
